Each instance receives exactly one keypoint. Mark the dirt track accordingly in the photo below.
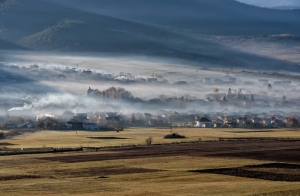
(284, 151)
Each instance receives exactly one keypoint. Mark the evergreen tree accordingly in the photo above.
(224, 99)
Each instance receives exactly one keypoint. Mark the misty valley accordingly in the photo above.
(143, 94)
(150, 97)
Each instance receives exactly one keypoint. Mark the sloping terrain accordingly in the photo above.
(4, 45)
(122, 37)
(281, 47)
(214, 17)
(286, 7)
(46, 25)
(271, 4)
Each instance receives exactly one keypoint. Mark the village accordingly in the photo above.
(229, 104)
(111, 121)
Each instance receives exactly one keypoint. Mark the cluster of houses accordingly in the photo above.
(81, 121)
(242, 122)
(274, 119)
(233, 80)
(112, 121)
(235, 99)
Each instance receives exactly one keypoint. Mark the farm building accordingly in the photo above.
(204, 123)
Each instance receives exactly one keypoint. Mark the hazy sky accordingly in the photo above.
(272, 3)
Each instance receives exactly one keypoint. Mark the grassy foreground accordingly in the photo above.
(157, 173)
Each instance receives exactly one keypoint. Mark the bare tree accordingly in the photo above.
(269, 87)
(292, 122)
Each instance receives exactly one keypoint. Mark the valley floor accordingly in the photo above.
(242, 162)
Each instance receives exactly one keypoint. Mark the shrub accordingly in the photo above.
(2, 135)
(174, 136)
(149, 141)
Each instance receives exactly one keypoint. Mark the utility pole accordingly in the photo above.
(171, 128)
(76, 126)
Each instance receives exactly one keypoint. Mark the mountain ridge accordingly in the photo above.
(286, 7)
(213, 17)
(49, 26)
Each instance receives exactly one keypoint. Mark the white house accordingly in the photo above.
(204, 123)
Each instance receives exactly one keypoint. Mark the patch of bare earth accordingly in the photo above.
(272, 171)
(101, 171)
(6, 144)
(18, 177)
(277, 150)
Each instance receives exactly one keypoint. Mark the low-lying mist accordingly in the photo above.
(36, 84)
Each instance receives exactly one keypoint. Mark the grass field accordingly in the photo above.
(138, 137)
(152, 170)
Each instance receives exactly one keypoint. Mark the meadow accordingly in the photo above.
(137, 136)
(167, 167)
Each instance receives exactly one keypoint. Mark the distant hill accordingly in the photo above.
(283, 39)
(105, 34)
(271, 3)
(281, 47)
(212, 17)
(46, 25)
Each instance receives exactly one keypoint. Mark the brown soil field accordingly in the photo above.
(101, 171)
(233, 165)
(17, 177)
(285, 151)
(283, 155)
(271, 171)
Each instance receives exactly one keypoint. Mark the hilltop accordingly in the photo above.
(213, 17)
(50, 25)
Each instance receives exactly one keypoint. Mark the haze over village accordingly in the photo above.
(94, 98)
